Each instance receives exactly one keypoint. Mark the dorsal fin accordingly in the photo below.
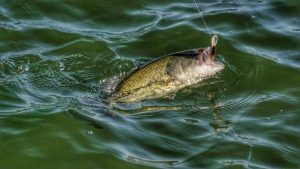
(187, 53)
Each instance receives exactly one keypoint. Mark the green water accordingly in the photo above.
(56, 56)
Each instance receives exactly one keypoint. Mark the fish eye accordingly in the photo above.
(200, 51)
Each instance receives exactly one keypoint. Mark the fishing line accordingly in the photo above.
(201, 14)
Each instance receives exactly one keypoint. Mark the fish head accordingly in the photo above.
(205, 64)
(198, 65)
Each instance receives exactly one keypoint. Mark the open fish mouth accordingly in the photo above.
(203, 56)
(207, 55)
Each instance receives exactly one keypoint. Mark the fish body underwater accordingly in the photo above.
(168, 74)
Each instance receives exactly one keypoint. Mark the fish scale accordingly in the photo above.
(154, 71)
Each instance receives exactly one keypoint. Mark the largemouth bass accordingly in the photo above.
(168, 74)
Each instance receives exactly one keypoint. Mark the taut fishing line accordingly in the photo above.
(201, 14)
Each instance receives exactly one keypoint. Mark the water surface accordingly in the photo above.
(55, 58)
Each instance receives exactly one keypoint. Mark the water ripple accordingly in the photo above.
(59, 62)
